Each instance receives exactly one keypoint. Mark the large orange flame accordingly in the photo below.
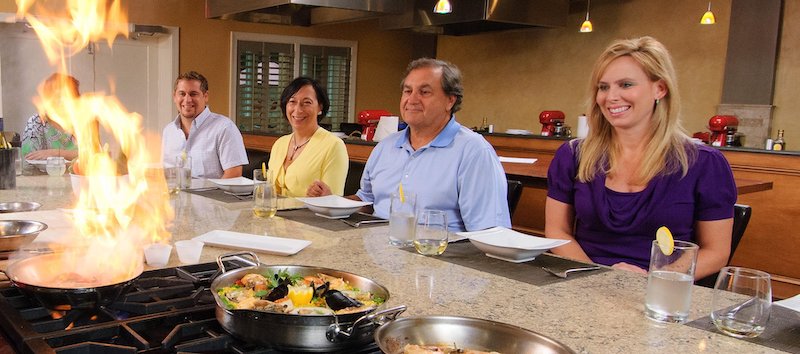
(123, 206)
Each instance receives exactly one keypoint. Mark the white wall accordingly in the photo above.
(140, 69)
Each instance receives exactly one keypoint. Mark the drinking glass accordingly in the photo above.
(56, 166)
(669, 282)
(265, 201)
(741, 302)
(402, 219)
(173, 183)
(183, 165)
(431, 236)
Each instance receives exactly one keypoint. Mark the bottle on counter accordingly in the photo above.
(779, 144)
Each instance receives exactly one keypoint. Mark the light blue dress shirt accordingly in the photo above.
(457, 172)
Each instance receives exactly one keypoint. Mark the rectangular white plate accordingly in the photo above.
(792, 303)
(517, 160)
(267, 244)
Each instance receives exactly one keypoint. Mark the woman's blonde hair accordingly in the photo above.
(669, 148)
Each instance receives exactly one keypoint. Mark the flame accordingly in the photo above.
(125, 205)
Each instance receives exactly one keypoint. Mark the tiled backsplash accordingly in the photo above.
(755, 122)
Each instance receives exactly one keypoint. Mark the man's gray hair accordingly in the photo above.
(451, 78)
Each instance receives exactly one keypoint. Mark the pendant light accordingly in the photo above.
(586, 27)
(442, 7)
(708, 17)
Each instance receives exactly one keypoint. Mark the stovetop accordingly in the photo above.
(167, 311)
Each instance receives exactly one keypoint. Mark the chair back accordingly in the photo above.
(255, 158)
(741, 216)
(514, 194)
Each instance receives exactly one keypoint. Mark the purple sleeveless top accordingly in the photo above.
(614, 227)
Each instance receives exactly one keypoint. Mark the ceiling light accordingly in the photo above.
(442, 7)
(708, 17)
(587, 25)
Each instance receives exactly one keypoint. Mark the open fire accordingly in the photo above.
(125, 205)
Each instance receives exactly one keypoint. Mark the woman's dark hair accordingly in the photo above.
(296, 85)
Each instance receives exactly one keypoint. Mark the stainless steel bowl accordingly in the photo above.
(17, 233)
(466, 333)
(13, 207)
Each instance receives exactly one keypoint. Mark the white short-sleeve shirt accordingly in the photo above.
(214, 143)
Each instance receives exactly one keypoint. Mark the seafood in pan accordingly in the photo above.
(281, 292)
(437, 349)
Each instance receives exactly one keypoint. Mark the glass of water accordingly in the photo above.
(402, 219)
(431, 236)
(56, 166)
(265, 201)
(669, 282)
(742, 301)
(183, 165)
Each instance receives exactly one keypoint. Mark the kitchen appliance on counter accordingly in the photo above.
(166, 311)
(368, 119)
(553, 124)
(723, 131)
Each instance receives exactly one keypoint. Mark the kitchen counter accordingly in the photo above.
(598, 313)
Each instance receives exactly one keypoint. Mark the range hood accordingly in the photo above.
(475, 16)
(301, 12)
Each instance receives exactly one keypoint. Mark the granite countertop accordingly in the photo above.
(596, 313)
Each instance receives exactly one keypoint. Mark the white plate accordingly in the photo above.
(40, 164)
(234, 185)
(333, 205)
(267, 244)
(509, 245)
(517, 160)
(518, 132)
(792, 303)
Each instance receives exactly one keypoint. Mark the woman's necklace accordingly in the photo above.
(296, 147)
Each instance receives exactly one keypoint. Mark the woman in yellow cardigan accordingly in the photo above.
(311, 153)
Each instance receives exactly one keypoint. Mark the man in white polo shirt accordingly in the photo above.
(211, 139)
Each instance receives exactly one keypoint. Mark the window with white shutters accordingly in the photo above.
(265, 64)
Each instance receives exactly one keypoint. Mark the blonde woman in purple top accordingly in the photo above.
(638, 170)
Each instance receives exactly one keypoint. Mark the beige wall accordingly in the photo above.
(512, 76)
(205, 47)
(509, 76)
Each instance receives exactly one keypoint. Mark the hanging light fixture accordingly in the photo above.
(587, 25)
(442, 7)
(708, 17)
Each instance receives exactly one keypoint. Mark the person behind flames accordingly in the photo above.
(448, 166)
(310, 153)
(212, 140)
(637, 170)
(43, 137)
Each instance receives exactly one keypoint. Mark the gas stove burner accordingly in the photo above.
(165, 311)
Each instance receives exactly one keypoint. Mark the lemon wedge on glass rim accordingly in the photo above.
(665, 241)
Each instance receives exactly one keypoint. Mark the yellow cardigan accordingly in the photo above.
(324, 158)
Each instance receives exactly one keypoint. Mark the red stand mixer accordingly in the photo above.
(368, 119)
(723, 131)
(552, 123)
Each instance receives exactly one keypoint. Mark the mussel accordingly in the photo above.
(337, 300)
(280, 291)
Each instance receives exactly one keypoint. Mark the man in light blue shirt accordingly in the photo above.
(447, 166)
